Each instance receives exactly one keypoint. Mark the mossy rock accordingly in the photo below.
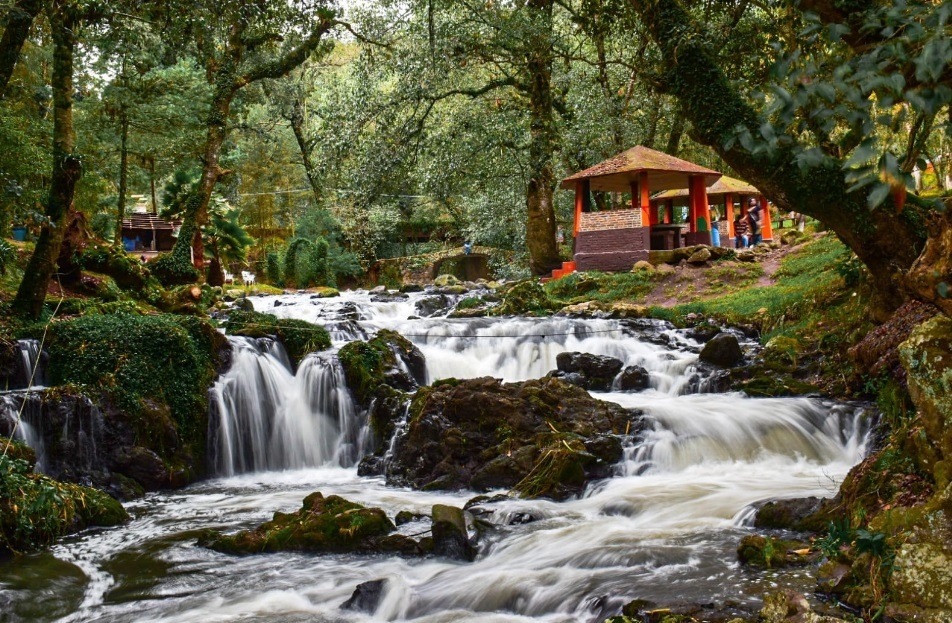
(36, 510)
(324, 524)
(927, 358)
(541, 437)
(526, 298)
(136, 360)
(299, 337)
(369, 365)
(764, 551)
(782, 352)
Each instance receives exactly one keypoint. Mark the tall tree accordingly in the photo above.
(19, 21)
(67, 166)
(809, 143)
(241, 47)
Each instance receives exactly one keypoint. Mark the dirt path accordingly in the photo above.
(685, 283)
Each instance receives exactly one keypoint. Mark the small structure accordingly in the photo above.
(616, 239)
(727, 192)
(147, 234)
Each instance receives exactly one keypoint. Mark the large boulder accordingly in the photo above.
(542, 437)
(450, 538)
(927, 358)
(324, 524)
(593, 372)
(722, 350)
(389, 359)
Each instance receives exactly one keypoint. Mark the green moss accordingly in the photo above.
(36, 510)
(140, 361)
(330, 524)
(526, 298)
(299, 337)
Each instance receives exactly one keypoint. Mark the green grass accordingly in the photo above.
(602, 287)
(807, 281)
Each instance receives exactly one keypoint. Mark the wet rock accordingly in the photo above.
(704, 331)
(779, 606)
(405, 517)
(633, 378)
(330, 524)
(598, 371)
(587, 309)
(436, 305)
(764, 551)
(723, 350)
(366, 597)
(797, 514)
(484, 434)
(643, 265)
(244, 304)
(379, 290)
(388, 298)
(450, 538)
(833, 578)
(411, 287)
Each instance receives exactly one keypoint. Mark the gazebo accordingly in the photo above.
(147, 233)
(727, 192)
(616, 239)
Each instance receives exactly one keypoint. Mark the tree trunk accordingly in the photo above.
(189, 241)
(674, 139)
(67, 167)
(123, 174)
(540, 218)
(19, 22)
(885, 239)
(297, 126)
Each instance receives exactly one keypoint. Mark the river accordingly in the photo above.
(664, 529)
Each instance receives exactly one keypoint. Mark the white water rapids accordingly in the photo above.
(664, 529)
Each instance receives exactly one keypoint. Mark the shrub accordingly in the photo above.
(274, 269)
(172, 270)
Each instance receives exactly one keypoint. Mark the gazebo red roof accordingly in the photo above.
(664, 172)
(722, 186)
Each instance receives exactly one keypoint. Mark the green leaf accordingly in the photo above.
(877, 195)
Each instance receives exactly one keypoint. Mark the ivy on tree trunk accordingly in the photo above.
(67, 166)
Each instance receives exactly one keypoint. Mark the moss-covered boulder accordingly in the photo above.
(299, 337)
(323, 525)
(149, 377)
(542, 437)
(526, 298)
(927, 358)
(765, 551)
(722, 350)
(389, 359)
(36, 510)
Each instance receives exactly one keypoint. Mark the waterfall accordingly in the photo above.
(264, 417)
(20, 418)
(28, 367)
(703, 429)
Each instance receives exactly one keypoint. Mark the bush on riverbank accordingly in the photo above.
(36, 510)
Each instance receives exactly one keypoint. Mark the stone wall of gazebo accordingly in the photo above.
(611, 240)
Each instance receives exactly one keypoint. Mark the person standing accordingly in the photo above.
(755, 221)
(740, 232)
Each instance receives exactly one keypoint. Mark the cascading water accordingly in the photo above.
(265, 417)
(665, 529)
